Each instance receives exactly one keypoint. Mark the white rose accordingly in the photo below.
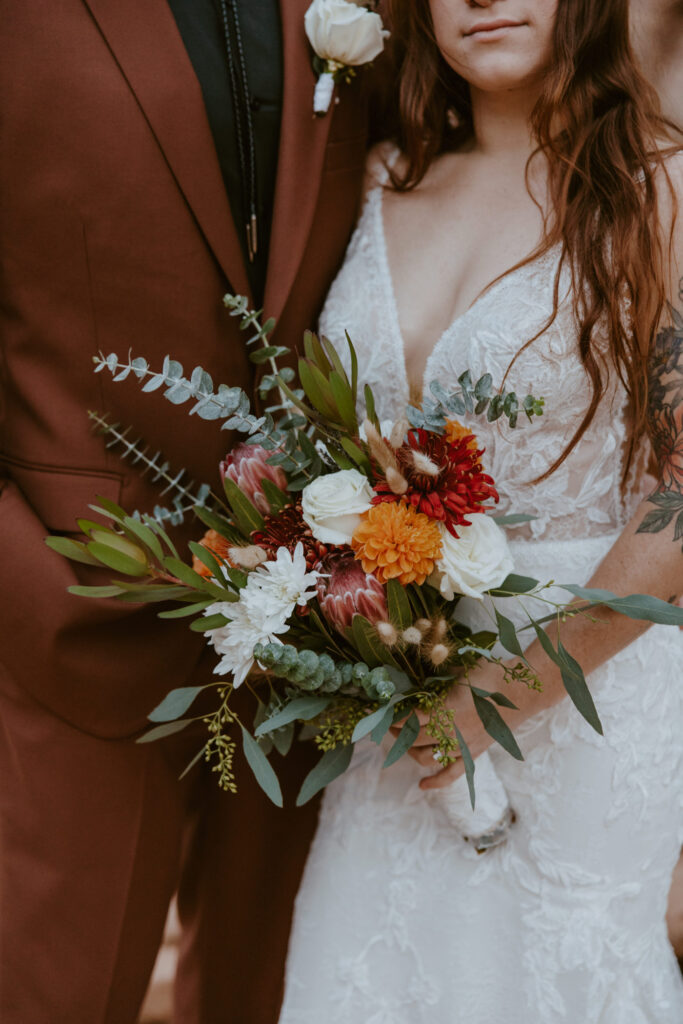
(477, 561)
(340, 31)
(332, 505)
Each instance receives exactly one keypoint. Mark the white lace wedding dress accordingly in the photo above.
(398, 920)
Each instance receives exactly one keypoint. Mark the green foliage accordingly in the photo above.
(160, 732)
(185, 496)
(96, 592)
(496, 726)
(208, 559)
(332, 764)
(404, 740)
(175, 704)
(508, 634)
(72, 549)
(364, 637)
(514, 584)
(577, 688)
(300, 709)
(113, 557)
(634, 606)
(262, 768)
(514, 519)
(381, 716)
(221, 747)
(218, 522)
(473, 399)
(468, 762)
(398, 605)
(247, 516)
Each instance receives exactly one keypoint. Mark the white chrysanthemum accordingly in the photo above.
(286, 581)
(269, 598)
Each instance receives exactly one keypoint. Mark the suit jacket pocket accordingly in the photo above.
(59, 496)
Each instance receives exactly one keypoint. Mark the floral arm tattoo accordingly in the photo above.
(665, 420)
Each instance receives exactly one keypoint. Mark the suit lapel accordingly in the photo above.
(147, 46)
(300, 161)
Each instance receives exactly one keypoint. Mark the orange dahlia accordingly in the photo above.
(395, 542)
(217, 545)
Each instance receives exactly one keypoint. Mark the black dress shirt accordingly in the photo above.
(201, 27)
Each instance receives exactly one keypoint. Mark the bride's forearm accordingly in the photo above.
(647, 557)
(637, 563)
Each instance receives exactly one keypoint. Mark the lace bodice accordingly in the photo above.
(584, 496)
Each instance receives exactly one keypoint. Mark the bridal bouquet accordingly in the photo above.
(329, 575)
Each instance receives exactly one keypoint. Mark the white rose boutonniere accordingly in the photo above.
(476, 561)
(343, 35)
(332, 505)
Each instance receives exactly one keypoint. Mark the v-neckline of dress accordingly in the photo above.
(413, 388)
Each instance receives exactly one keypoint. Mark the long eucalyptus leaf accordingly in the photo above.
(160, 732)
(577, 688)
(262, 768)
(175, 704)
(496, 727)
(514, 584)
(300, 709)
(634, 606)
(468, 763)
(332, 764)
(371, 721)
(508, 634)
(404, 740)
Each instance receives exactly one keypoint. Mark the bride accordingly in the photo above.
(523, 227)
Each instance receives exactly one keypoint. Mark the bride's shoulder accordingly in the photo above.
(380, 161)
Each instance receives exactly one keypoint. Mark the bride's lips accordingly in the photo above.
(489, 28)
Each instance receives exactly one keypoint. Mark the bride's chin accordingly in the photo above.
(500, 76)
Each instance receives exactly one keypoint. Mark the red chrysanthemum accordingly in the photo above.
(445, 478)
(286, 529)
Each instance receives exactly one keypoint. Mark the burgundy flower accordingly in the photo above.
(247, 466)
(445, 478)
(286, 529)
(348, 590)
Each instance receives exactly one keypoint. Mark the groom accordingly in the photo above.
(126, 199)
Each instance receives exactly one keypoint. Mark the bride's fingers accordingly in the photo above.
(422, 717)
(446, 777)
(424, 755)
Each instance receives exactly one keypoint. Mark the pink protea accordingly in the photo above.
(347, 590)
(247, 466)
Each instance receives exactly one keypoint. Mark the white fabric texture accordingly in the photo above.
(398, 921)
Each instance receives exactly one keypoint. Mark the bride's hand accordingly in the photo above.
(487, 676)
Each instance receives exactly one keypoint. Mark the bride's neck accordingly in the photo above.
(502, 122)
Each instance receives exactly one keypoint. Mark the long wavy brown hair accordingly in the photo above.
(603, 161)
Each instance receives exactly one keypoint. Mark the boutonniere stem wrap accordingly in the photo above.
(344, 36)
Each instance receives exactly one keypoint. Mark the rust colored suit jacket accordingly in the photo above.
(117, 235)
